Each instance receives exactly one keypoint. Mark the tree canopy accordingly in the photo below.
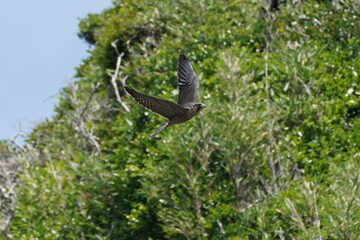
(275, 155)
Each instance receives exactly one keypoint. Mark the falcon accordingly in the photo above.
(180, 112)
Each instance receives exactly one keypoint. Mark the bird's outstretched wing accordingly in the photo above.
(188, 82)
(162, 107)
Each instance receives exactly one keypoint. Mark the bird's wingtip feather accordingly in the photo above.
(182, 56)
(128, 88)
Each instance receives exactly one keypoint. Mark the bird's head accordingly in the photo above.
(199, 107)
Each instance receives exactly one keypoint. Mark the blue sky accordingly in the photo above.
(39, 50)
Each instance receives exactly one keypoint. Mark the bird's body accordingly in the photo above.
(187, 115)
(180, 112)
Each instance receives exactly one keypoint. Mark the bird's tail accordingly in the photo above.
(160, 129)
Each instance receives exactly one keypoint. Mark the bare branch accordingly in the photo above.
(89, 100)
(16, 135)
(308, 91)
(8, 182)
(117, 74)
(79, 123)
(221, 227)
(113, 44)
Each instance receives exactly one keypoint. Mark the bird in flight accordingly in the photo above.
(180, 112)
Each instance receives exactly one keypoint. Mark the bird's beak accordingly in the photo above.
(200, 107)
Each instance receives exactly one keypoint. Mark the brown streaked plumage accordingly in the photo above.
(180, 112)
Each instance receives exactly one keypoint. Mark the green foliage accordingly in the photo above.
(275, 155)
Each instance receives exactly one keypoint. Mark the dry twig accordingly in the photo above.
(79, 123)
(8, 182)
(273, 160)
(117, 74)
